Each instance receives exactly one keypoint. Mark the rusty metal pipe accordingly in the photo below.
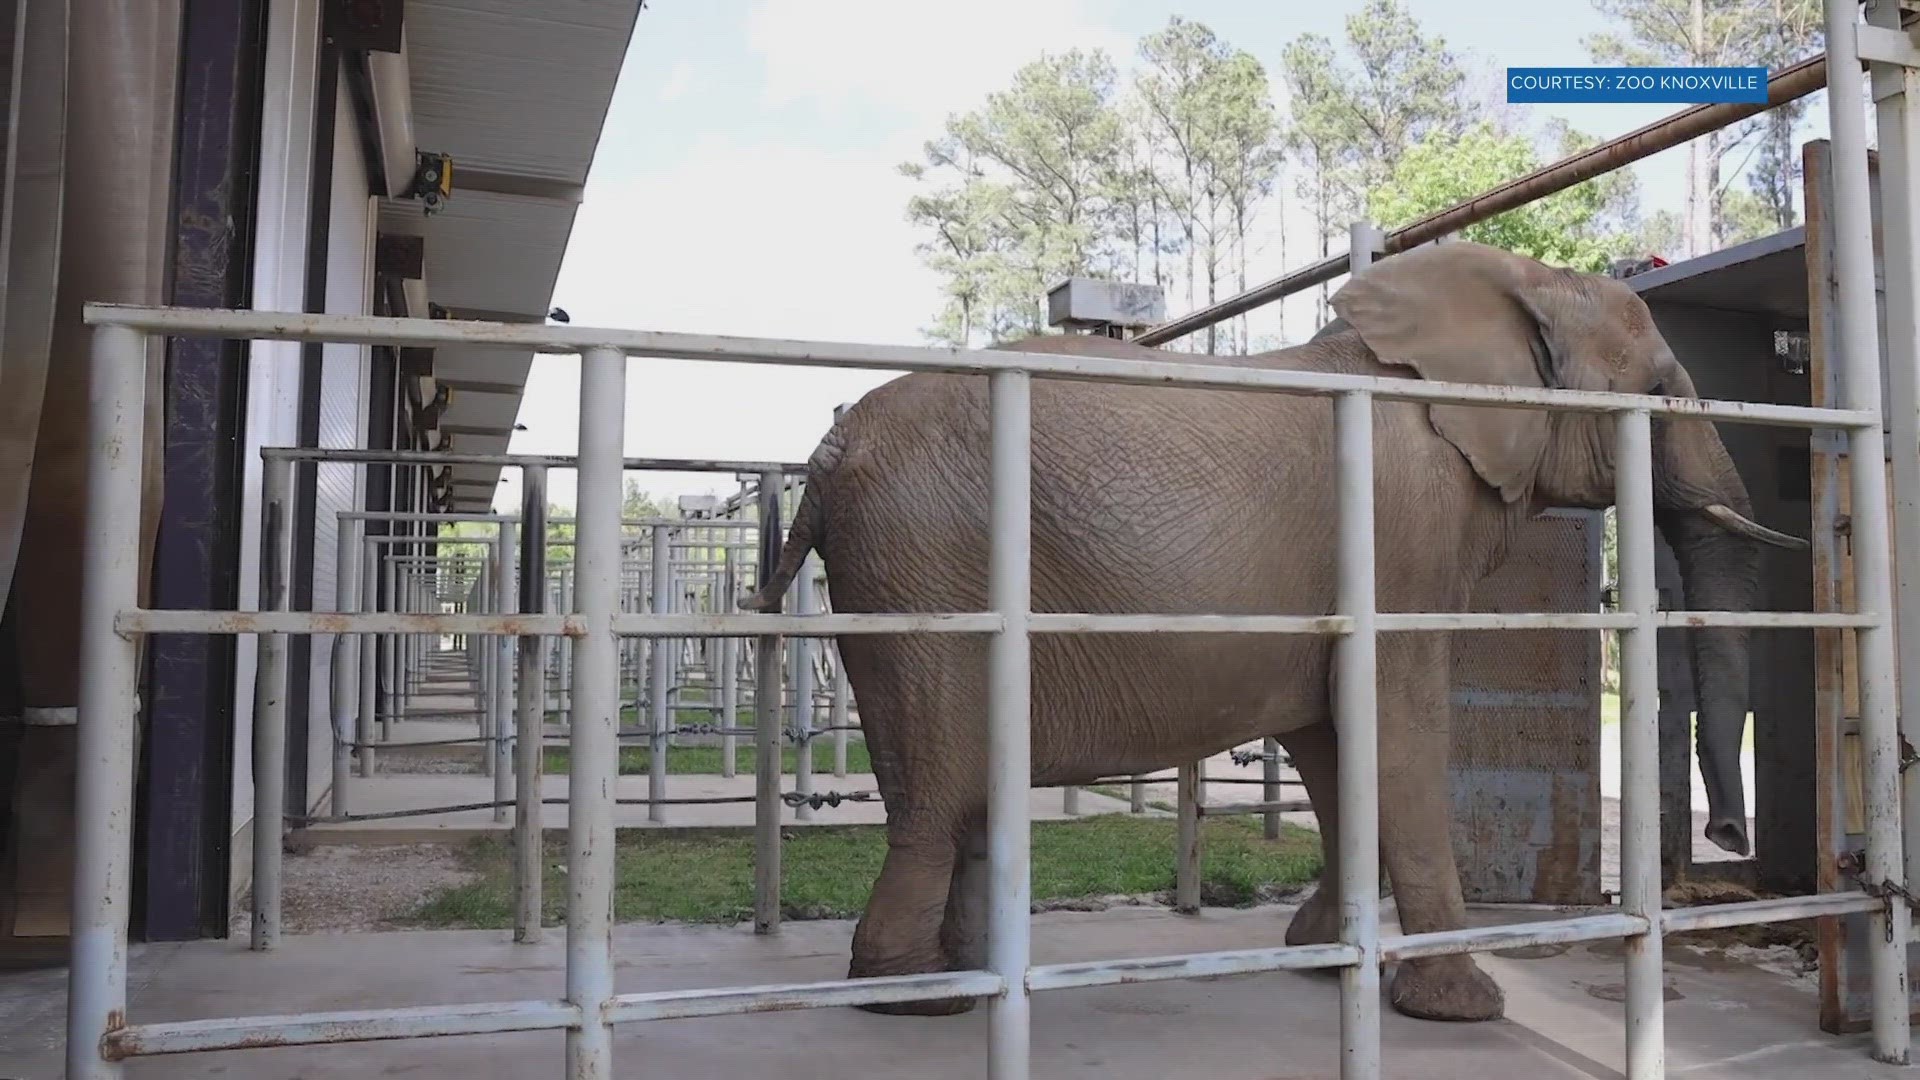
(1789, 84)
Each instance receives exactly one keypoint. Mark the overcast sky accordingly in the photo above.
(746, 184)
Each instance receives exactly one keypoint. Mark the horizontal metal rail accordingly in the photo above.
(734, 1001)
(1049, 623)
(1787, 84)
(181, 621)
(544, 461)
(378, 329)
(366, 1025)
(166, 621)
(1757, 912)
(1189, 966)
(357, 1025)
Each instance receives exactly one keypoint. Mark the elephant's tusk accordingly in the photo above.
(1731, 520)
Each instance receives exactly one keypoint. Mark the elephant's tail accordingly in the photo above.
(809, 525)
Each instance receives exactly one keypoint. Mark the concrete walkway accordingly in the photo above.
(1726, 1020)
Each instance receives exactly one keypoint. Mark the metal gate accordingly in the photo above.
(101, 1035)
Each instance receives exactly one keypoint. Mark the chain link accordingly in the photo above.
(821, 799)
(1853, 865)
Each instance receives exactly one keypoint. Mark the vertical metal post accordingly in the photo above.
(367, 659)
(594, 744)
(501, 692)
(1896, 94)
(766, 730)
(390, 645)
(840, 716)
(659, 675)
(1356, 724)
(108, 707)
(1009, 744)
(564, 682)
(480, 649)
(270, 705)
(1356, 716)
(1186, 850)
(1639, 746)
(803, 693)
(729, 679)
(1858, 335)
(530, 707)
(1270, 786)
(404, 600)
(346, 679)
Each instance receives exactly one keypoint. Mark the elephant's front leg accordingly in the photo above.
(1415, 835)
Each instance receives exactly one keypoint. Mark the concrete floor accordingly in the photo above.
(1725, 1019)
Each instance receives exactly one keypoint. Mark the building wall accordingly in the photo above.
(273, 388)
(343, 414)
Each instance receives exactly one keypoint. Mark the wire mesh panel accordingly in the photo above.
(1526, 725)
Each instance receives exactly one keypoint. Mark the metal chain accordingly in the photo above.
(819, 799)
(1853, 865)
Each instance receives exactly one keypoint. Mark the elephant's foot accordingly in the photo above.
(1447, 988)
(1317, 922)
(938, 1007)
(942, 1007)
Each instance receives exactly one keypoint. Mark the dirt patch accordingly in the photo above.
(342, 888)
(437, 760)
(1795, 937)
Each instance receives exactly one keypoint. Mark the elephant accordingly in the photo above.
(1185, 500)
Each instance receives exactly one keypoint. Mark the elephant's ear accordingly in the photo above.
(1465, 312)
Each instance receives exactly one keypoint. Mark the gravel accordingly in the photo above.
(342, 888)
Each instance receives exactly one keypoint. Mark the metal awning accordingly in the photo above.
(517, 95)
(1766, 276)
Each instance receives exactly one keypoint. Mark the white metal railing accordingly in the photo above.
(100, 1035)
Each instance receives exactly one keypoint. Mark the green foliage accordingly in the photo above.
(1025, 196)
(1070, 172)
(1561, 230)
(636, 505)
(827, 873)
(1164, 176)
(1746, 215)
(1772, 33)
(1209, 122)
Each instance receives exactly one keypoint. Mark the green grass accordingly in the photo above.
(828, 873)
(705, 760)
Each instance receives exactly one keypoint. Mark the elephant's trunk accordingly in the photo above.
(1704, 512)
(1720, 572)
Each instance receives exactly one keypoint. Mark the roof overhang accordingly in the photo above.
(1765, 276)
(516, 94)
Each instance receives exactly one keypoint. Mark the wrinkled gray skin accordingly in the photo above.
(1178, 500)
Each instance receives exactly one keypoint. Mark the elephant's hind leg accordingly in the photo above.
(1316, 760)
(963, 933)
(900, 931)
